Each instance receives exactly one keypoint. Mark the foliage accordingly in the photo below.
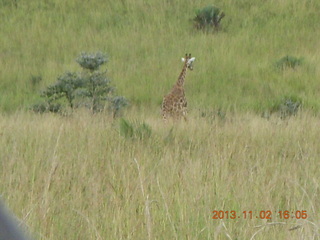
(117, 103)
(143, 131)
(287, 107)
(126, 129)
(288, 62)
(65, 87)
(92, 61)
(47, 107)
(208, 17)
(97, 89)
(134, 130)
(91, 88)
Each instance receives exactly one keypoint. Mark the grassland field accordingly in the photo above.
(83, 176)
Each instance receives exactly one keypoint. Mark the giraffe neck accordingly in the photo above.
(182, 76)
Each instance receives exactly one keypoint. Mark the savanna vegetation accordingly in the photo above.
(250, 144)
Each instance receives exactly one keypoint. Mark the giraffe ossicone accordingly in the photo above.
(174, 104)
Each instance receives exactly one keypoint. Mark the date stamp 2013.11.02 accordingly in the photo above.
(262, 214)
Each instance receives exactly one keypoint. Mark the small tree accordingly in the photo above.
(97, 89)
(90, 88)
(66, 86)
(97, 86)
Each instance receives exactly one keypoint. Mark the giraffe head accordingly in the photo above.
(189, 61)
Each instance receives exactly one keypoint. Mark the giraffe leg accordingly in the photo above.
(184, 114)
(164, 117)
(185, 118)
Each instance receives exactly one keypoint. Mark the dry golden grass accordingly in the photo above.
(77, 177)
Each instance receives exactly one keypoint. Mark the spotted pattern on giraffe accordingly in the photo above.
(174, 104)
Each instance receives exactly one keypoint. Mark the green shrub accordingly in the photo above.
(143, 131)
(97, 87)
(135, 130)
(287, 107)
(92, 61)
(208, 18)
(126, 129)
(288, 62)
(117, 103)
(65, 87)
(90, 88)
(47, 107)
(96, 90)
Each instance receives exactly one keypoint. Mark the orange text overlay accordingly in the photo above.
(263, 214)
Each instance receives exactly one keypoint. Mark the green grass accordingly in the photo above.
(145, 40)
(84, 177)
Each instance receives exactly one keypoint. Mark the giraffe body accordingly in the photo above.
(174, 104)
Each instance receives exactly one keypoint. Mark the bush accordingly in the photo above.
(92, 61)
(66, 86)
(117, 103)
(288, 62)
(126, 129)
(47, 107)
(90, 88)
(143, 131)
(97, 90)
(136, 130)
(207, 18)
(287, 107)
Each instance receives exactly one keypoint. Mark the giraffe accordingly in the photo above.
(175, 103)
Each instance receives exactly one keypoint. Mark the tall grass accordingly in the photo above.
(78, 178)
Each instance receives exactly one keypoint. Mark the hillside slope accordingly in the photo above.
(145, 40)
